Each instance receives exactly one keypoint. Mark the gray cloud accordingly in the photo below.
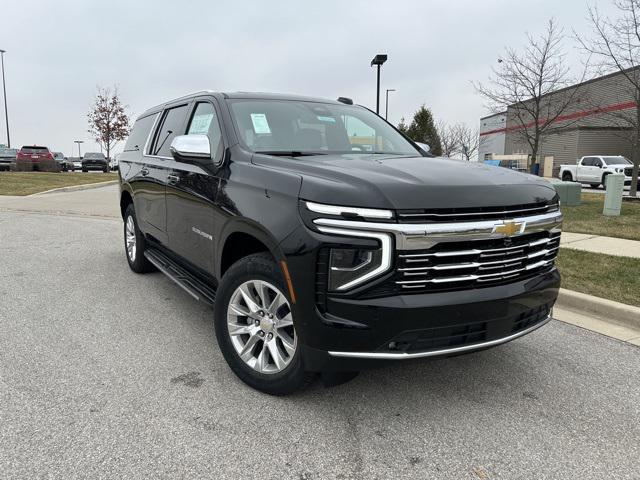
(58, 52)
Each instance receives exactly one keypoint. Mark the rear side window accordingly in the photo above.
(171, 126)
(139, 134)
(587, 162)
(205, 122)
(35, 150)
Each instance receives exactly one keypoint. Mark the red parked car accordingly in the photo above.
(35, 158)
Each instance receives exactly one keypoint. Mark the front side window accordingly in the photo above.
(280, 126)
(205, 122)
(171, 126)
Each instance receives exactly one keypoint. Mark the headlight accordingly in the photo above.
(619, 170)
(348, 265)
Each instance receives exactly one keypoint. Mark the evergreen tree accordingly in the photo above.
(423, 129)
(402, 126)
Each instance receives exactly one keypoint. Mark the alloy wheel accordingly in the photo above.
(130, 238)
(260, 326)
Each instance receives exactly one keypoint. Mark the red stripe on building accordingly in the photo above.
(571, 116)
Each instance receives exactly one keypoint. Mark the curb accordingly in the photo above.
(615, 312)
(74, 188)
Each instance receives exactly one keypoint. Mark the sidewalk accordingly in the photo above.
(597, 244)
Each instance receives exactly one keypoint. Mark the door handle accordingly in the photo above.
(144, 171)
(173, 179)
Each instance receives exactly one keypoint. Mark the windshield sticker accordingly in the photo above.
(200, 124)
(260, 124)
(326, 119)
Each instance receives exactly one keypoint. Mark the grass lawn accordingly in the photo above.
(588, 218)
(26, 183)
(604, 276)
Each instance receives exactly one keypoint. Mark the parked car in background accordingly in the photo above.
(8, 158)
(63, 162)
(94, 161)
(593, 169)
(75, 163)
(113, 163)
(36, 158)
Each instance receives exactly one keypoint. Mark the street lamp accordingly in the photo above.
(4, 92)
(378, 60)
(386, 107)
(79, 142)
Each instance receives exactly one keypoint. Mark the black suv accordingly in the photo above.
(94, 161)
(329, 241)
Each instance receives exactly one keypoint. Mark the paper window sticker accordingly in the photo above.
(200, 124)
(260, 124)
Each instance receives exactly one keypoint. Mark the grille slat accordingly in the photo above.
(471, 214)
(455, 265)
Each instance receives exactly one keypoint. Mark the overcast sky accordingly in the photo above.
(59, 51)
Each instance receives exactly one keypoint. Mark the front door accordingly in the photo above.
(191, 194)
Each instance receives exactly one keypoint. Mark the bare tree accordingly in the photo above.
(522, 82)
(448, 138)
(615, 46)
(108, 121)
(468, 139)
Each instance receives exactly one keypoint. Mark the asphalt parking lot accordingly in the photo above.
(109, 374)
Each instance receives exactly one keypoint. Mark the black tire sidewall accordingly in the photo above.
(254, 267)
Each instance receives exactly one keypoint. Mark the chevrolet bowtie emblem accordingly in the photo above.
(509, 228)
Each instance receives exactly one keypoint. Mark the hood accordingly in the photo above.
(395, 182)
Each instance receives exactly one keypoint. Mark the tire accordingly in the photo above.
(604, 179)
(104, 170)
(567, 177)
(135, 256)
(594, 185)
(84, 170)
(259, 368)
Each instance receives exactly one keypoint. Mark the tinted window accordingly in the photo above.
(94, 156)
(587, 162)
(617, 161)
(205, 122)
(596, 162)
(139, 133)
(171, 126)
(35, 150)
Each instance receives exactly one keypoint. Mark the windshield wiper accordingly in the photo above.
(289, 153)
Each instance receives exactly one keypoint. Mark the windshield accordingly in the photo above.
(281, 126)
(58, 155)
(617, 161)
(8, 152)
(98, 156)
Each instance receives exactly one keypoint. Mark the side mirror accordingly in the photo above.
(424, 147)
(191, 148)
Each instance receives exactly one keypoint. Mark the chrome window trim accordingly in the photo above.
(416, 236)
(385, 245)
(338, 210)
(444, 351)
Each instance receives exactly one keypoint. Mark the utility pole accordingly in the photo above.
(4, 92)
(386, 108)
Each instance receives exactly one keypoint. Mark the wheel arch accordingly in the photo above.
(242, 238)
(126, 198)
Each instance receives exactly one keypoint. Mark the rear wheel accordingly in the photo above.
(594, 185)
(255, 327)
(566, 177)
(135, 243)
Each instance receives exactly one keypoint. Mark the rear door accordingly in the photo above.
(192, 188)
(584, 172)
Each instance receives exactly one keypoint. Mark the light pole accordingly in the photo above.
(4, 93)
(386, 107)
(378, 60)
(79, 142)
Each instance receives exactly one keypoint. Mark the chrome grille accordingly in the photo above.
(459, 265)
(474, 214)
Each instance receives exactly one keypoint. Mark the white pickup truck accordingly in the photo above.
(594, 168)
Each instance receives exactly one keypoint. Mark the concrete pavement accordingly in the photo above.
(97, 202)
(109, 374)
(598, 244)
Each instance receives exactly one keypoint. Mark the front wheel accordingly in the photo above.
(255, 328)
